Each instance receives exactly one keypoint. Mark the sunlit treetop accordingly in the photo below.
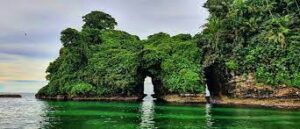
(99, 20)
(69, 36)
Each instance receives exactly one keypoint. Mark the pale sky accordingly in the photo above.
(30, 30)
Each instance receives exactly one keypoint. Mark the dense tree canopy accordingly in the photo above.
(176, 61)
(101, 61)
(241, 37)
(255, 36)
(99, 20)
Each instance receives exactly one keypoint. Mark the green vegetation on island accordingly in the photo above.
(255, 36)
(100, 61)
(242, 37)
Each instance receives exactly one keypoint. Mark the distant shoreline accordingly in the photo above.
(9, 95)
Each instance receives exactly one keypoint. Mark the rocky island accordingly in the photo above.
(247, 54)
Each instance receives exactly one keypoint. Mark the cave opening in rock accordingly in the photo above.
(217, 80)
(150, 83)
(213, 81)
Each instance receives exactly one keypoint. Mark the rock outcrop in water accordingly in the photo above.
(251, 51)
(99, 63)
(255, 40)
(247, 50)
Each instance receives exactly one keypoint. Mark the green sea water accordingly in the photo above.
(28, 112)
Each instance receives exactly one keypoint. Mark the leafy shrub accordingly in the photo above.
(80, 89)
(231, 64)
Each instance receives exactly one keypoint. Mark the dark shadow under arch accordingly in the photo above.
(217, 79)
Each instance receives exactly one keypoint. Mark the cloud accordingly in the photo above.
(145, 17)
(21, 86)
(14, 67)
(30, 50)
(30, 73)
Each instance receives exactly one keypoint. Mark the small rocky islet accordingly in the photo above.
(10, 96)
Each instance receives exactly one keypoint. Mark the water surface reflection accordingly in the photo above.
(31, 113)
(147, 113)
(25, 112)
(208, 116)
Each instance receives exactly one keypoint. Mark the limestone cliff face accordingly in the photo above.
(246, 87)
